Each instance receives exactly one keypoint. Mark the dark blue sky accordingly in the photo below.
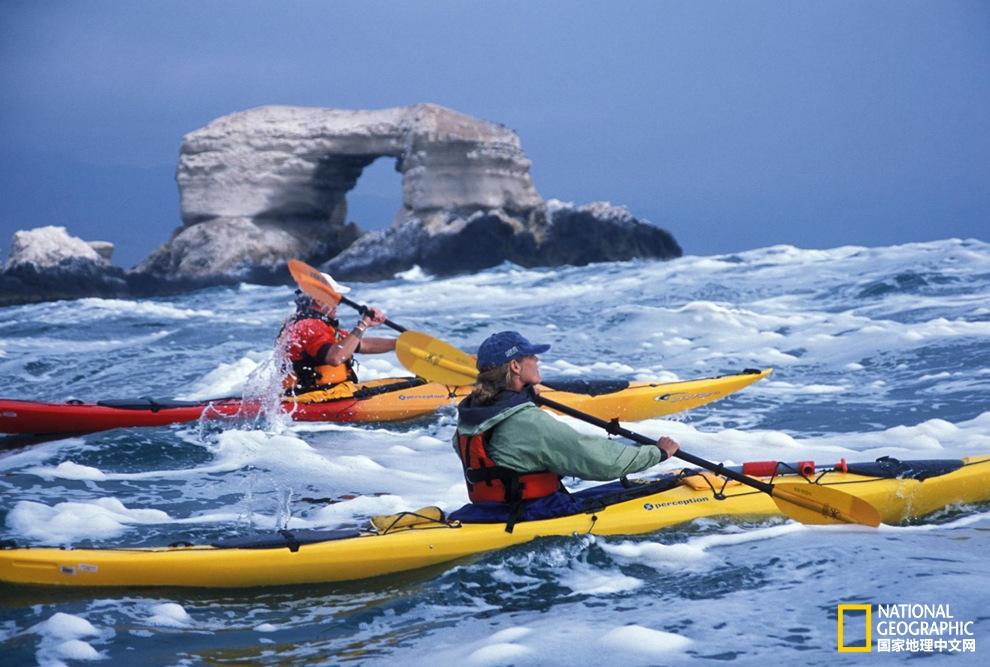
(733, 124)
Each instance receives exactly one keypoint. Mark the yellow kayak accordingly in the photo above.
(901, 491)
(625, 401)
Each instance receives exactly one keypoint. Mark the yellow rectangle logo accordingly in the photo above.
(866, 648)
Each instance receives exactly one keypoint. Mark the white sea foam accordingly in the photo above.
(935, 436)
(973, 386)
(288, 461)
(414, 275)
(647, 641)
(583, 579)
(62, 639)
(861, 338)
(68, 522)
(938, 437)
(510, 635)
(224, 380)
(695, 551)
(68, 470)
(961, 522)
(169, 615)
(38, 453)
(806, 389)
(92, 310)
(499, 653)
(330, 515)
(65, 522)
(379, 366)
(569, 636)
(66, 626)
(235, 450)
(566, 368)
(76, 649)
(83, 346)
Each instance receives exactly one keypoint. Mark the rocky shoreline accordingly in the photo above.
(265, 185)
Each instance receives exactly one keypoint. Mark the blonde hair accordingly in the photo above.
(489, 383)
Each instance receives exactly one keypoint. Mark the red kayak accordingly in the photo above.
(384, 400)
(79, 417)
(32, 417)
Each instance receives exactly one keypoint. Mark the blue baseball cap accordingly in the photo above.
(504, 346)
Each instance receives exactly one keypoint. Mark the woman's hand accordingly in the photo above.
(373, 317)
(668, 445)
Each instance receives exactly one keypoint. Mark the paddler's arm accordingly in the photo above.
(353, 341)
(534, 440)
(376, 345)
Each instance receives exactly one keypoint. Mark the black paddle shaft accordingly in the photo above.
(364, 309)
(613, 428)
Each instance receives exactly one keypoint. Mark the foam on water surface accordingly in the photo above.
(169, 614)
(877, 352)
(62, 638)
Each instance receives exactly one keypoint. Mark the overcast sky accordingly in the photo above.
(735, 125)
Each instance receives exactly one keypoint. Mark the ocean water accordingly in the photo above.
(876, 351)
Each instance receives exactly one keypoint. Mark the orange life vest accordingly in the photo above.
(330, 375)
(308, 374)
(489, 482)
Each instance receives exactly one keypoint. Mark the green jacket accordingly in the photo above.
(528, 440)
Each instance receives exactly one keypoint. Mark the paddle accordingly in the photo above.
(435, 360)
(312, 282)
(808, 503)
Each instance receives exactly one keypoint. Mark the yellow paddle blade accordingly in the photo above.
(814, 504)
(434, 359)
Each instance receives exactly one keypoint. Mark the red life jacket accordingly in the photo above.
(489, 482)
(309, 340)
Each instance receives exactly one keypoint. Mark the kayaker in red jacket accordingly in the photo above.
(321, 353)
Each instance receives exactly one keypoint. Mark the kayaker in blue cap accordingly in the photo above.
(514, 454)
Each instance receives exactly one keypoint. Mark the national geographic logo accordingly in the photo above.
(903, 628)
(867, 646)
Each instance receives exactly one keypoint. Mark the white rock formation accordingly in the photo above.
(48, 263)
(234, 247)
(261, 186)
(103, 248)
(300, 161)
(51, 246)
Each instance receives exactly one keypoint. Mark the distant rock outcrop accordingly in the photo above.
(551, 234)
(47, 263)
(261, 186)
(265, 185)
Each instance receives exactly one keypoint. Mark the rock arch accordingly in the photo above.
(260, 186)
(264, 185)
